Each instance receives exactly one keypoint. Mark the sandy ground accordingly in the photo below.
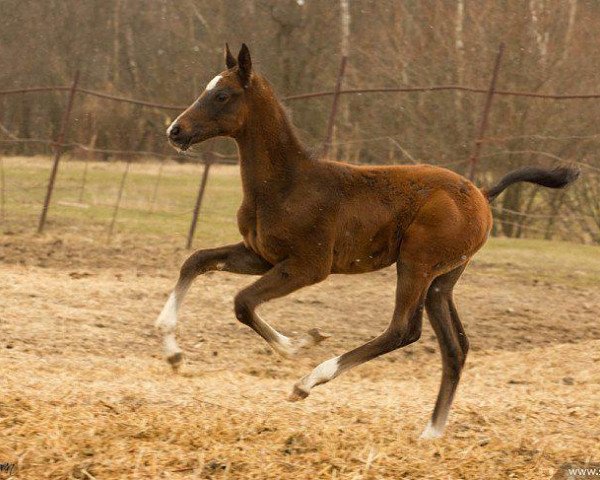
(85, 393)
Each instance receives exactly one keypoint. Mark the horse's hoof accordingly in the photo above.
(430, 433)
(176, 360)
(317, 336)
(297, 394)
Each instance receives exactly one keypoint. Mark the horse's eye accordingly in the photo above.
(222, 97)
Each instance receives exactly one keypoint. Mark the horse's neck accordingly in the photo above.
(270, 154)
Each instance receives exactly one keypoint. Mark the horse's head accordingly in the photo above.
(222, 109)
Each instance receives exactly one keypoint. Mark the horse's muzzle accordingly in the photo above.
(178, 137)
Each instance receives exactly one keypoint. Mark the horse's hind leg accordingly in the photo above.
(453, 344)
(404, 329)
(232, 258)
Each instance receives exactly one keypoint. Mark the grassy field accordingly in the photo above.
(86, 394)
(170, 214)
(91, 208)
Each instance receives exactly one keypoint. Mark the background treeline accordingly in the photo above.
(167, 51)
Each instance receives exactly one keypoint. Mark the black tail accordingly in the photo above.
(557, 177)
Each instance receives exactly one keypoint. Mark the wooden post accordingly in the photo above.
(119, 197)
(485, 115)
(58, 149)
(334, 105)
(208, 159)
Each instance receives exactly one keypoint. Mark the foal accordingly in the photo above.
(303, 218)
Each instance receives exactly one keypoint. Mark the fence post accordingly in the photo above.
(58, 149)
(485, 114)
(119, 196)
(334, 105)
(3, 193)
(83, 178)
(208, 159)
(157, 183)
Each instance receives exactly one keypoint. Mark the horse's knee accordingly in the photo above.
(403, 331)
(411, 335)
(405, 336)
(243, 308)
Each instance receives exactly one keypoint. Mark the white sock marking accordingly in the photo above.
(431, 432)
(167, 320)
(171, 347)
(213, 83)
(322, 373)
(283, 341)
(281, 344)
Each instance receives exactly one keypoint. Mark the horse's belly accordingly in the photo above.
(364, 251)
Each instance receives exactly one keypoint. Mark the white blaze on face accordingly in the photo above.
(213, 83)
(171, 126)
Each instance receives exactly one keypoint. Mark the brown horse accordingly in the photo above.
(303, 218)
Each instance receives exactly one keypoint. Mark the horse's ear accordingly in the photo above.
(245, 65)
(230, 60)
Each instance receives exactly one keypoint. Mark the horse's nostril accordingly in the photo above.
(175, 130)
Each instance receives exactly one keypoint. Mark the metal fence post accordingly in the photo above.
(485, 115)
(119, 197)
(157, 184)
(208, 159)
(334, 105)
(83, 180)
(3, 193)
(58, 149)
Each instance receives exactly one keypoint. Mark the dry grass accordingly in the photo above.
(86, 395)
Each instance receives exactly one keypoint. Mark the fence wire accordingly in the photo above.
(88, 194)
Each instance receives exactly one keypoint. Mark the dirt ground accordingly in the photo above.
(85, 393)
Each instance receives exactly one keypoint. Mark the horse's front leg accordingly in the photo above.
(283, 279)
(231, 258)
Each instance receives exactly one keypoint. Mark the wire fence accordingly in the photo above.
(60, 145)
